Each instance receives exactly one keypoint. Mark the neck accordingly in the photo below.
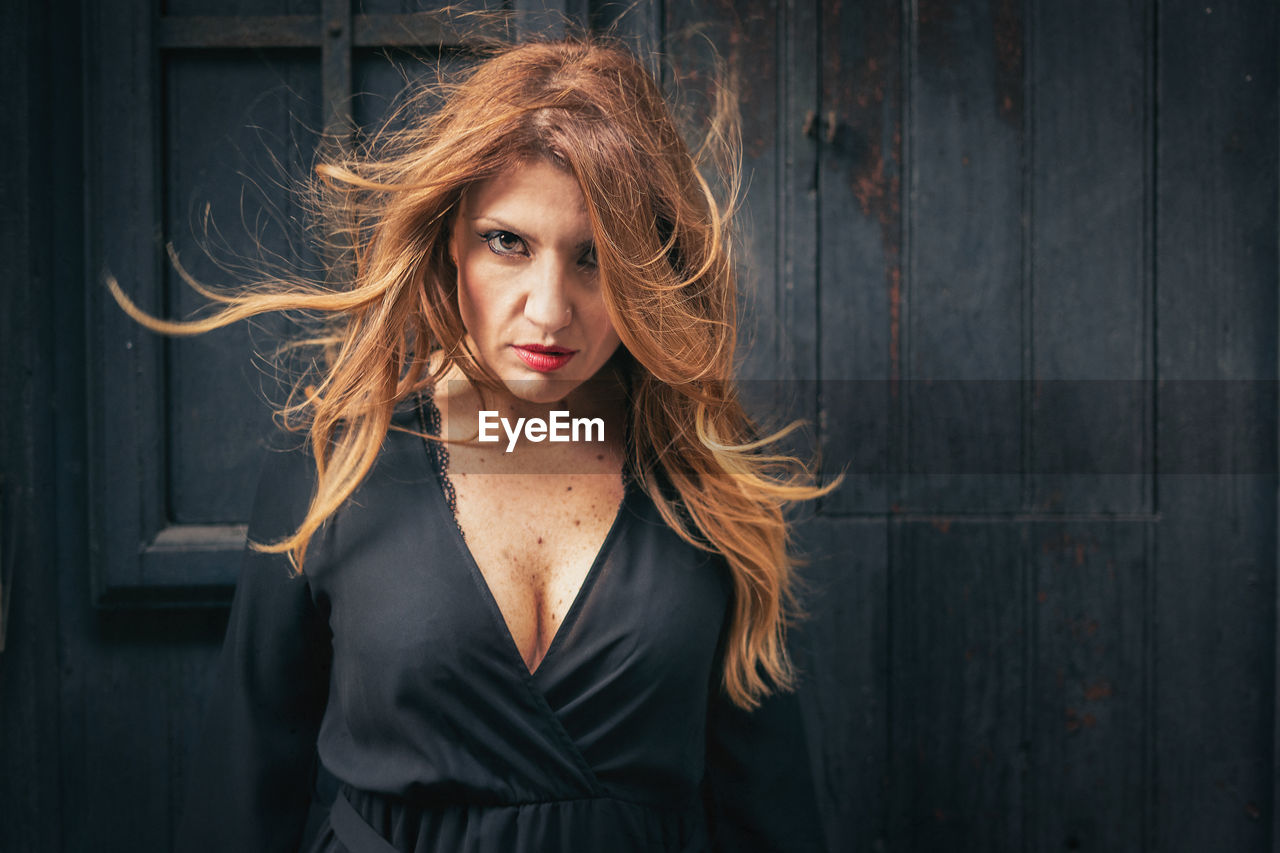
(460, 402)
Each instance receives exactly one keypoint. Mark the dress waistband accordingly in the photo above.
(351, 829)
(629, 826)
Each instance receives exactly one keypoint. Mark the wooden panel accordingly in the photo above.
(1091, 314)
(791, 304)
(847, 676)
(125, 410)
(381, 78)
(284, 31)
(193, 653)
(251, 8)
(887, 650)
(29, 543)
(767, 49)
(393, 7)
(335, 71)
(126, 713)
(643, 25)
(184, 459)
(964, 301)
(1215, 595)
(417, 29)
(1086, 777)
(178, 33)
(238, 129)
(859, 127)
(200, 164)
(957, 686)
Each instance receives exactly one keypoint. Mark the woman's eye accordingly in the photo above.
(504, 243)
(588, 259)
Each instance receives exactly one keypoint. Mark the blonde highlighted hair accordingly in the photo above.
(664, 248)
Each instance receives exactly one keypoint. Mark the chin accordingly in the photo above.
(541, 389)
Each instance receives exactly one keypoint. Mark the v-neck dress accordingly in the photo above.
(389, 662)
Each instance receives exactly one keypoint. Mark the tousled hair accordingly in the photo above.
(664, 248)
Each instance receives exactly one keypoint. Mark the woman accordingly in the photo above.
(522, 644)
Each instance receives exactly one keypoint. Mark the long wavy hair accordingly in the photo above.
(661, 211)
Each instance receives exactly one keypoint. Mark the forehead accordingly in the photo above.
(532, 195)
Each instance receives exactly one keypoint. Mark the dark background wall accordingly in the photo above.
(1015, 259)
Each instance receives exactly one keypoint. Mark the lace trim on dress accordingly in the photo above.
(438, 452)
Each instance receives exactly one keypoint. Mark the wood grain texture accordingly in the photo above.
(957, 675)
(238, 129)
(767, 52)
(846, 690)
(335, 71)
(1018, 663)
(247, 8)
(860, 134)
(1091, 312)
(963, 317)
(1215, 584)
(29, 663)
(123, 186)
(1087, 685)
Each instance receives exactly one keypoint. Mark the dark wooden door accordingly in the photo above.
(1024, 253)
(1017, 261)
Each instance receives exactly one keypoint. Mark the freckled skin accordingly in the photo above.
(533, 559)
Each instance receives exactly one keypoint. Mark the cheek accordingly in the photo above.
(477, 295)
(602, 328)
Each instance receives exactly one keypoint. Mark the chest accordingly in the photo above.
(535, 538)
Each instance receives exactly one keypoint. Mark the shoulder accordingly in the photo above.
(289, 479)
(289, 475)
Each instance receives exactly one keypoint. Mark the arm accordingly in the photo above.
(758, 790)
(252, 774)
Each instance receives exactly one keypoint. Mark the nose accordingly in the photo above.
(547, 302)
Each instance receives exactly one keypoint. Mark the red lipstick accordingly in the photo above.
(544, 359)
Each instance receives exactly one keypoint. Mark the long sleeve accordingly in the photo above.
(252, 775)
(758, 789)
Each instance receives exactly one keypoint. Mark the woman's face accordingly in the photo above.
(528, 289)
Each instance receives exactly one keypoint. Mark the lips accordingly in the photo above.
(544, 359)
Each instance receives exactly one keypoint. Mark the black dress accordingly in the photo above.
(390, 661)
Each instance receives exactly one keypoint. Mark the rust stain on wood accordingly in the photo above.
(752, 60)
(1007, 26)
(934, 12)
(1074, 720)
(747, 45)
(1097, 691)
(862, 84)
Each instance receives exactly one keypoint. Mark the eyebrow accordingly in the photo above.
(503, 226)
